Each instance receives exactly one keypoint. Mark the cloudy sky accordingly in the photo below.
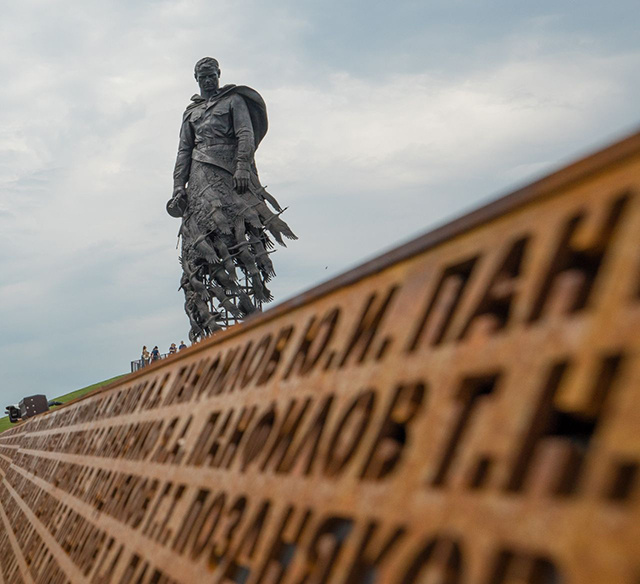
(387, 119)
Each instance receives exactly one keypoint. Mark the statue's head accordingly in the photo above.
(207, 74)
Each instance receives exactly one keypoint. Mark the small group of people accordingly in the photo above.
(173, 349)
(147, 357)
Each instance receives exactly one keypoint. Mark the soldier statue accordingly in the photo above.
(227, 223)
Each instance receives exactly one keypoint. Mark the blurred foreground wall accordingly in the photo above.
(463, 409)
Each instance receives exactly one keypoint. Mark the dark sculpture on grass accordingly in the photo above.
(227, 222)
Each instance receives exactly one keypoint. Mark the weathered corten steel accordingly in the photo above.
(463, 409)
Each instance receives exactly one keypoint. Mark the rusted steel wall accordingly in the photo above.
(463, 409)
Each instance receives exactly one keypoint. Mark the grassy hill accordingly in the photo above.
(5, 424)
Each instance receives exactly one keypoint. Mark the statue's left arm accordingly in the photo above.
(183, 160)
(243, 129)
(177, 203)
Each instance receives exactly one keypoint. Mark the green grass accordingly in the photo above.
(80, 392)
(5, 424)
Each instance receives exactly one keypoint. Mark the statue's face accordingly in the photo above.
(208, 80)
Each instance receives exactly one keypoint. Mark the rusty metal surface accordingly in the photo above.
(461, 410)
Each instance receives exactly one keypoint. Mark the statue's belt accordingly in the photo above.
(221, 155)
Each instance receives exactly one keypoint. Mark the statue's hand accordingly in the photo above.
(179, 193)
(178, 203)
(241, 181)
